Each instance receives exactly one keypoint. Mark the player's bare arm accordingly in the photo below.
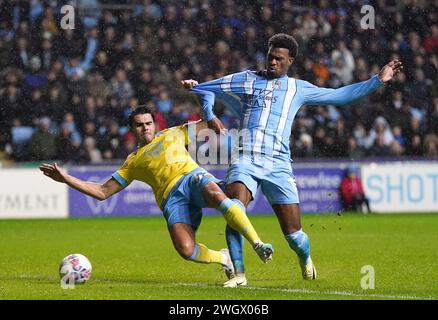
(390, 70)
(95, 190)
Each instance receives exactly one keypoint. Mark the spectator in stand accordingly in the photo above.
(432, 120)
(352, 193)
(415, 146)
(431, 145)
(47, 55)
(111, 141)
(396, 149)
(42, 144)
(341, 138)
(21, 55)
(354, 152)
(97, 85)
(382, 129)
(380, 148)
(57, 103)
(35, 78)
(431, 40)
(67, 149)
(90, 152)
(360, 134)
(398, 136)
(121, 86)
(304, 147)
(89, 130)
(36, 106)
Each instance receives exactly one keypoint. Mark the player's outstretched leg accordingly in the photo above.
(202, 254)
(237, 219)
(235, 215)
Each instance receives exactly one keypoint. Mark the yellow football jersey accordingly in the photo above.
(160, 164)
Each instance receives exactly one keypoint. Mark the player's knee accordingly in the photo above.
(292, 226)
(232, 192)
(185, 249)
(214, 196)
(237, 191)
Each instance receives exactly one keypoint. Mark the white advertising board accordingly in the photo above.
(401, 187)
(27, 193)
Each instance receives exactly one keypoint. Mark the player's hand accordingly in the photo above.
(217, 126)
(189, 84)
(54, 172)
(390, 70)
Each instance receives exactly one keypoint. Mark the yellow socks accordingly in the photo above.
(234, 214)
(202, 254)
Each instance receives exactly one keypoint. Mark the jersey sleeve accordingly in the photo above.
(207, 93)
(313, 95)
(222, 88)
(123, 176)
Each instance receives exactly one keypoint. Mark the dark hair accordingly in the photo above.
(143, 109)
(283, 40)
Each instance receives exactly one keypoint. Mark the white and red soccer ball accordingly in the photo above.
(75, 268)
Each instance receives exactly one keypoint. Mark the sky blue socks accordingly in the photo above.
(299, 242)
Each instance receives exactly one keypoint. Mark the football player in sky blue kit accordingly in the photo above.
(266, 103)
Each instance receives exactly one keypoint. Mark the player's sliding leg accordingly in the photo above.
(234, 213)
(202, 254)
(183, 238)
(290, 221)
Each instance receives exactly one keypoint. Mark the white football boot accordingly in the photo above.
(238, 280)
(308, 270)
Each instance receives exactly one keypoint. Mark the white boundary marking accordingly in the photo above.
(307, 291)
(206, 285)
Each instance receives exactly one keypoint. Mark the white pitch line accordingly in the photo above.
(340, 293)
(307, 291)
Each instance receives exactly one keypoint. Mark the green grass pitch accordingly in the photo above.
(133, 258)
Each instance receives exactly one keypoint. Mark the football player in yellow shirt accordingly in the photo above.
(180, 186)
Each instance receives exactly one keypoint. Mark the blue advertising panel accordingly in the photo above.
(318, 190)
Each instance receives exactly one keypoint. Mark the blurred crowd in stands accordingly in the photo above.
(66, 94)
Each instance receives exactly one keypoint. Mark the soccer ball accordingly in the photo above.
(75, 269)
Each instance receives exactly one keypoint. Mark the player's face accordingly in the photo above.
(143, 128)
(278, 62)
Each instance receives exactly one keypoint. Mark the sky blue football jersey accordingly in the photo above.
(267, 107)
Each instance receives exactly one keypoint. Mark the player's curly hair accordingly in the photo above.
(283, 40)
(143, 109)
